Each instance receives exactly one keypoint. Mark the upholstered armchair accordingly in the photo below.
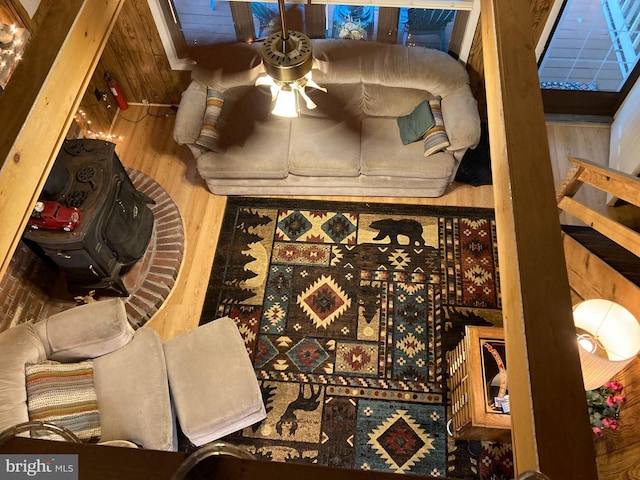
(87, 370)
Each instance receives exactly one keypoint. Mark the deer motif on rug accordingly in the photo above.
(289, 418)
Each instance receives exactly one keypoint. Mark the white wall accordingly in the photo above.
(30, 6)
(624, 149)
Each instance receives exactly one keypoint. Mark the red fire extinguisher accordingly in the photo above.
(115, 90)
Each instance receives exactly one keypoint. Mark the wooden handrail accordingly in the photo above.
(40, 103)
(550, 426)
(618, 184)
(610, 181)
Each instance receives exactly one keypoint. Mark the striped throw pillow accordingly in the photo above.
(209, 137)
(63, 394)
(436, 138)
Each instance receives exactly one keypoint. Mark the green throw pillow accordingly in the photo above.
(63, 394)
(210, 132)
(413, 126)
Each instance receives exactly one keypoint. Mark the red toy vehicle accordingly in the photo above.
(53, 216)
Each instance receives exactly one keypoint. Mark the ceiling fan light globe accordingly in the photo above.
(286, 103)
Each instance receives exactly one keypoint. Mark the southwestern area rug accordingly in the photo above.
(347, 310)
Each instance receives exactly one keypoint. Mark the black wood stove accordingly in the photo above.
(115, 222)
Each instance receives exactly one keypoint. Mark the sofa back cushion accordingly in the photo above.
(381, 101)
(367, 100)
(346, 61)
(348, 97)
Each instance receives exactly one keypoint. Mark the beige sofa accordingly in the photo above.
(111, 383)
(315, 154)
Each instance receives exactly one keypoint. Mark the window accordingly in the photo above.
(205, 22)
(594, 47)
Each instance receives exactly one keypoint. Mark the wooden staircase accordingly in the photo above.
(591, 276)
(594, 273)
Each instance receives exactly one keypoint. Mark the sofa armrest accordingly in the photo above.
(19, 345)
(190, 114)
(86, 331)
(461, 119)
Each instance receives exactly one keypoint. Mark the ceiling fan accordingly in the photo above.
(287, 58)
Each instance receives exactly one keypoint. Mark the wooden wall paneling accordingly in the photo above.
(169, 84)
(315, 20)
(17, 14)
(591, 277)
(100, 112)
(42, 98)
(9, 15)
(550, 428)
(626, 441)
(14, 12)
(539, 10)
(135, 57)
(475, 67)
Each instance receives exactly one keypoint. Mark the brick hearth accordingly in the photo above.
(32, 291)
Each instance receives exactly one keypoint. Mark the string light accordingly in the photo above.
(13, 39)
(85, 126)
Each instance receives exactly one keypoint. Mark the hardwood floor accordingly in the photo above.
(148, 146)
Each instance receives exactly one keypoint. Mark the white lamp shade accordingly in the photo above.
(616, 331)
(286, 104)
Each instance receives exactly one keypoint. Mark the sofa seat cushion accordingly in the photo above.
(133, 393)
(384, 154)
(322, 147)
(270, 139)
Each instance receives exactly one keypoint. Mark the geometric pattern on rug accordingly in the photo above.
(347, 310)
(401, 438)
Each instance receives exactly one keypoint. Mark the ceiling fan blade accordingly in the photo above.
(312, 84)
(242, 114)
(230, 57)
(295, 18)
(334, 108)
(310, 103)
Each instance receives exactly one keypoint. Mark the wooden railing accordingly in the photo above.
(603, 281)
(40, 102)
(550, 426)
